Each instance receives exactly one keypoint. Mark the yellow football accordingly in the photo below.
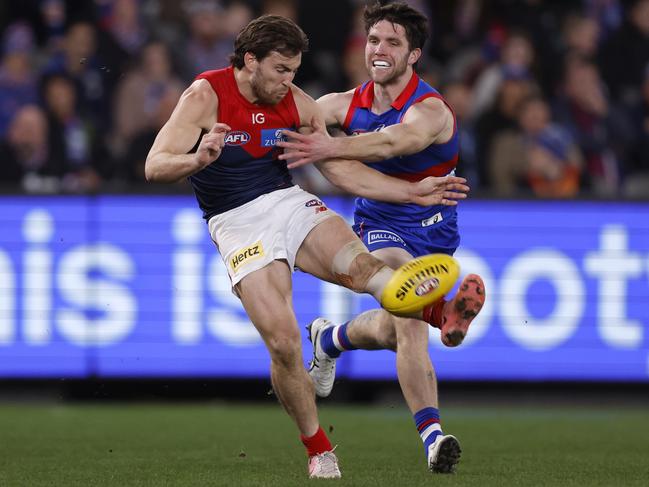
(420, 282)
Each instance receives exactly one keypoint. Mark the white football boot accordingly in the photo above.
(444, 454)
(322, 368)
(324, 466)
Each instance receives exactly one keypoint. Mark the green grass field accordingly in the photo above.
(207, 444)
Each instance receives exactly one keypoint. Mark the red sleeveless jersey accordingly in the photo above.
(248, 166)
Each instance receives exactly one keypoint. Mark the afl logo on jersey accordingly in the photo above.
(237, 137)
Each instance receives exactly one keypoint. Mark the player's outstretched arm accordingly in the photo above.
(356, 178)
(361, 180)
(425, 123)
(322, 115)
(168, 160)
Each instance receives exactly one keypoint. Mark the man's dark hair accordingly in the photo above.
(266, 34)
(413, 21)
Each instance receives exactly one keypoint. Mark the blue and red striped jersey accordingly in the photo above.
(434, 160)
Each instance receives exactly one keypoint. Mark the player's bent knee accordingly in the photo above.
(285, 350)
(354, 267)
(363, 268)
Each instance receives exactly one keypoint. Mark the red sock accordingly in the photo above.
(433, 313)
(318, 443)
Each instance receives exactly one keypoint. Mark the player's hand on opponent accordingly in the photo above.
(211, 144)
(301, 149)
(433, 190)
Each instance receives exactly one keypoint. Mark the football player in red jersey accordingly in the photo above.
(262, 224)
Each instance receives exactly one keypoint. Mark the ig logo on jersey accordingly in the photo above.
(237, 137)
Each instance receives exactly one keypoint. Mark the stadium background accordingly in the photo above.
(111, 289)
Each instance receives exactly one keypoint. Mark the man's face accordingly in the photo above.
(272, 77)
(387, 54)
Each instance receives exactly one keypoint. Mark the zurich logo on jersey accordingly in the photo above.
(270, 137)
(237, 137)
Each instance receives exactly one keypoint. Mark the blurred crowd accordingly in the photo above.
(551, 97)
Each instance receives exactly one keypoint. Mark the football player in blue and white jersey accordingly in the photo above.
(401, 126)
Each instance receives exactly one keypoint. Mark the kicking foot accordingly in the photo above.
(324, 466)
(460, 311)
(444, 454)
(322, 368)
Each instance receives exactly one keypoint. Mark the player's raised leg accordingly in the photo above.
(332, 252)
(266, 297)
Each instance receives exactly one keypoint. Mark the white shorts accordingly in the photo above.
(270, 227)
